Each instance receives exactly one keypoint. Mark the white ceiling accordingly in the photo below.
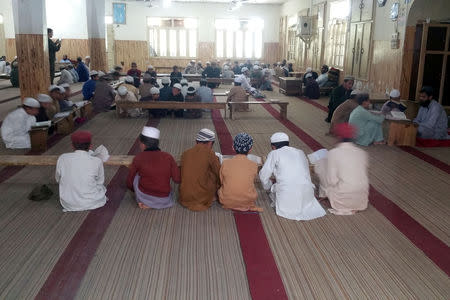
(222, 1)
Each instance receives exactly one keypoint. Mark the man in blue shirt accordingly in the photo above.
(166, 90)
(82, 70)
(89, 86)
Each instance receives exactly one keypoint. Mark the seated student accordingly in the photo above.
(65, 104)
(199, 68)
(151, 171)
(199, 173)
(432, 119)
(184, 86)
(175, 76)
(14, 74)
(82, 70)
(65, 59)
(244, 80)
(204, 92)
(291, 191)
(266, 83)
(73, 72)
(256, 76)
(190, 68)
(166, 90)
(104, 95)
(343, 173)
(45, 101)
(144, 88)
(237, 176)
(17, 124)
(227, 73)
(80, 176)
(368, 125)
(154, 96)
(339, 95)
(393, 104)
(124, 95)
(312, 90)
(238, 94)
(323, 78)
(134, 73)
(236, 68)
(89, 86)
(65, 77)
(212, 71)
(129, 84)
(57, 94)
(310, 71)
(151, 71)
(343, 111)
(191, 96)
(176, 96)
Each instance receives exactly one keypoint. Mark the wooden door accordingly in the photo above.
(364, 34)
(361, 10)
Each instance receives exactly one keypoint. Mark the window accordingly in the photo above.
(337, 29)
(172, 37)
(239, 38)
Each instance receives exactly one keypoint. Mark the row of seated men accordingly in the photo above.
(205, 176)
(348, 105)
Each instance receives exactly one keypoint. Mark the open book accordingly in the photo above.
(43, 124)
(62, 114)
(397, 115)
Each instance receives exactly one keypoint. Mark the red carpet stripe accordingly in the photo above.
(264, 279)
(411, 150)
(434, 248)
(68, 272)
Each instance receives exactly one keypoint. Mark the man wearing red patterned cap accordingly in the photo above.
(80, 176)
(343, 173)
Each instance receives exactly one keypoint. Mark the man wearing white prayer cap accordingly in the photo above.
(176, 96)
(123, 94)
(343, 111)
(57, 95)
(151, 71)
(190, 68)
(199, 173)
(245, 81)
(292, 192)
(393, 104)
(45, 101)
(17, 124)
(238, 94)
(151, 173)
(191, 96)
(129, 84)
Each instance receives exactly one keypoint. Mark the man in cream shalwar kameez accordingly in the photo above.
(343, 174)
(293, 192)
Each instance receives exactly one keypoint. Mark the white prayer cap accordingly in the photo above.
(244, 69)
(44, 98)
(151, 132)
(241, 64)
(177, 86)
(205, 135)
(122, 90)
(394, 94)
(31, 102)
(55, 87)
(308, 75)
(226, 67)
(129, 79)
(154, 91)
(208, 63)
(149, 67)
(191, 90)
(65, 85)
(193, 61)
(87, 56)
(256, 67)
(93, 72)
(238, 79)
(100, 74)
(318, 155)
(184, 81)
(279, 137)
(256, 62)
(165, 80)
(355, 92)
(278, 62)
(309, 69)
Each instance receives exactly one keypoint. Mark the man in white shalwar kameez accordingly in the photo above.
(17, 124)
(343, 174)
(292, 191)
(80, 176)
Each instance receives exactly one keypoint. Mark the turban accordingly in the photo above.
(205, 135)
(81, 137)
(344, 131)
(243, 142)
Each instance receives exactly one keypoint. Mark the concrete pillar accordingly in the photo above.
(95, 11)
(32, 46)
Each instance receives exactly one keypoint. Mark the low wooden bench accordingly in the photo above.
(172, 105)
(402, 133)
(282, 104)
(63, 125)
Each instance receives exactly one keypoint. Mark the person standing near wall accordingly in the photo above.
(53, 47)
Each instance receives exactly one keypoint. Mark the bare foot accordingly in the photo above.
(143, 206)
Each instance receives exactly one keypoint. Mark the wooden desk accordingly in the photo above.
(290, 86)
(296, 74)
(282, 104)
(402, 133)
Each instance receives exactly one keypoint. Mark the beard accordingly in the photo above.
(425, 103)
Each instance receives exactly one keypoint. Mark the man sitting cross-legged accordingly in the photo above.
(291, 189)
(238, 176)
(199, 173)
(80, 176)
(151, 171)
